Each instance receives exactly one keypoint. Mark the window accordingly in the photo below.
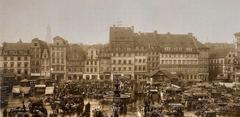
(12, 64)
(144, 68)
(19, 64)
(5, 58)
(19, 58)
(129, 61)
(124, 62)
(11, 58)
(119, 61)
(129, 68)
(25, 58)
(5, 64)
(25, 64)
(25, 72)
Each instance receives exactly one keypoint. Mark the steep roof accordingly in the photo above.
(16, 46)
(219, 52)
(200, 45)
(76, 52)
(237, 34)
(172, 41)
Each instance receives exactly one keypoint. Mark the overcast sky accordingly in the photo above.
(88, 21)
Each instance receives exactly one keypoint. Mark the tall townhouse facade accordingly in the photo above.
(140, 61)
(180, 54)
(75, 62)
(105, 63)
(92, 64)
(58, 53)
(203, 60)
(38, 59)
(16, 60)
(222, 62)
(45, 63)
(1, 61)
(122, 46)
(237, 48)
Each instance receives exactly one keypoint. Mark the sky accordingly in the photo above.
(88, 21)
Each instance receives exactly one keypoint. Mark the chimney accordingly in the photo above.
(155, 32)
(190, 34)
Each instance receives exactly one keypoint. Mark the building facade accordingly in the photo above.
(75, 62)
(221, 60)
(16, 60)
(45, 63)
(92, 64)
(58, 53)
(237, 61)
(180, 54)
(37, 59)
(105, 63)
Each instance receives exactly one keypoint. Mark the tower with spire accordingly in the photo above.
(48, 35)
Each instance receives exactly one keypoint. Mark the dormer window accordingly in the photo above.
(189, 49)
(167, 48)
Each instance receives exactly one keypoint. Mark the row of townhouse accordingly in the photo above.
(224, 60)
(130, 54)
(137, 54)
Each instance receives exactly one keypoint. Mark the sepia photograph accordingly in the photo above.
(120, 58)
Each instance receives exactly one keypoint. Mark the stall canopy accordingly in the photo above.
(16, 89)
(25, 90)
(40, 86)
(49, 90)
